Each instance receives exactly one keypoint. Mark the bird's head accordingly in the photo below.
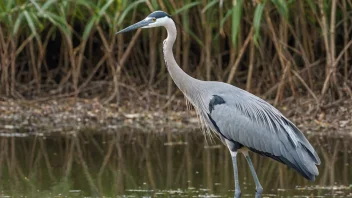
(155, 19)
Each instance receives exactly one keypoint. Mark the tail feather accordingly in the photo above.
(302, 161)
(304, 142)
(304, 164)
(297, 158)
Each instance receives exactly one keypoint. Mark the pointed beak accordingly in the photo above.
(140, 24)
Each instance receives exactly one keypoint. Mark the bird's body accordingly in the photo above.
(242, 120)
(248, 121)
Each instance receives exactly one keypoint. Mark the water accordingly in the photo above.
(134, 164)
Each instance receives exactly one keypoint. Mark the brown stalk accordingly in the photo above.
(240, 54)
(189, 166)
(93, 72)
(232, 58)
(13, 67)
(117, 63)
(285, 64)
(332, 40)
(345, 38)
(169, 90)
(4, 63)
(162, 75)
(81, 49)
(170, 161)
(64, 61)
(105, 162)
(46, 159)
(70, 149)
(185, 51)
(128, 49)
(2, 158)
(32, 57)
(332, 162)
(13, 158)
(208, 169)
(33, 152)
(85, 168)
(306, 39)
(251, 66)
(207, 32)
(273, 88)
(306, 86)
(70, 58)
(280, 89)
(305, 45)
(345, 151)
(324, 28)
(152, 55)
(121, 166)
(149, 164)
(181, 170)
(325, 86)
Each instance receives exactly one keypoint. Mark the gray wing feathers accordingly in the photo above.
(254, 123)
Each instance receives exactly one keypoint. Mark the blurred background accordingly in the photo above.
(277, 49)
(67, 81)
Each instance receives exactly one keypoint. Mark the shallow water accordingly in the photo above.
(133, 164)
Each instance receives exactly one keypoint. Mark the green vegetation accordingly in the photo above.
(274, 48)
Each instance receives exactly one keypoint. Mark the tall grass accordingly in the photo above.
(277, 48)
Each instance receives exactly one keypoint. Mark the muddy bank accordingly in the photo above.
(23, 118)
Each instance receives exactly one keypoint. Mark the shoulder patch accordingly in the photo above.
(216, 100)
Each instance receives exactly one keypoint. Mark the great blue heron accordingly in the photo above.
(243, 121)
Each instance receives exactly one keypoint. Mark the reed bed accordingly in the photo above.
(277, 49)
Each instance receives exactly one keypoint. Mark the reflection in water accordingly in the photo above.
(157, 165)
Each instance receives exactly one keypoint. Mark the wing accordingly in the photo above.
(250, 121)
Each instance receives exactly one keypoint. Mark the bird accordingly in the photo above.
(243, 121)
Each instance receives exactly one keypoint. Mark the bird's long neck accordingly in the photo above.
(183, 81)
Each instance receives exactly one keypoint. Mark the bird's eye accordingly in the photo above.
(154, 19)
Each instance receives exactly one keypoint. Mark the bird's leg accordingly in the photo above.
(233, 152)
(235, 172)
(258, 186)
